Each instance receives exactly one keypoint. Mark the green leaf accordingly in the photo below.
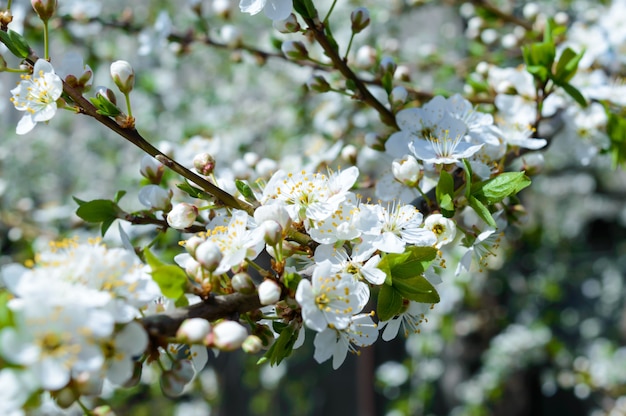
(416, 288)
(6, 316)
(171, 279)
(616, 130)
(389, 303)
(245, 190)
(482, 211)
(468, 178)
(291, 280)
(567, 66)
(104, 106)
(305, 8)
(16, 43)
(192, 191)
(445, 194)
(119, 195)
(574, 93)
(496, 189)
(98, 210)
(282, 346)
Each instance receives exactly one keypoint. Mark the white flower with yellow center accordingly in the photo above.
(37, 94)
(401, 225)
(444, 228)
(330, 299)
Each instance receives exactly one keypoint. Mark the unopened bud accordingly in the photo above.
(123, 75)
(242, 283)
(209, 255)
(104, 93)
(274, 212)
(45, 9)
(272, 232)
(155, 197)
(252, 344)
(227, 336)
(192, 244)
(231, 35)
(388, 65)
(151, 169)
(294, 50)
(193, 330)
(403, 73)
(204, 163)
(360, 19)
(398, 95)
(407, 170)
(349, 153)
(288, 25)
(182, 216)
(221, 8)
(269, 292)
(318, 83)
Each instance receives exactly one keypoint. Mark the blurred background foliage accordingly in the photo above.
(541, 331)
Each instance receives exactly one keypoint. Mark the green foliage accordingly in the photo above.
(100, 211)
(192, 191)
(283, 345)
(405, 280)
(105, 106)
(496, 189)
(305, 8)
(6, 316)
(616, 130)
(445, 194)
(291, 280)
(15, 43)
(171, 279)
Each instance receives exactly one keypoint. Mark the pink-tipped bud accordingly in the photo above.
(123, 75)
(204, 163)
(269, 292)
(182, 216)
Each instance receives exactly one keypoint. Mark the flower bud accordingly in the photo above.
(45, 9)
(227, 336)
(407, 170)
(123, 75)
(360, 19)
(349, 153)
(252, 344)
(221, 8)
(403, 73)
(294, 50)
(155, 197)
(204, 163)
(65, 397)
(318, 83)
(192, 244)
(242, 283)
(289, 25)
(209, 255)
(194, 270)
(388, 65)
(151, 169)
(275, 212)
(182, 216)
(398, 95)
(269, 292)
(193, 330)
(272, 232)
(231, 35)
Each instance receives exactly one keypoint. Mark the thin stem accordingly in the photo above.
(332, 7)
(46, 51)
(317, 29)
(345, 57)
(129, 110)
(9, 4)
(84, 408)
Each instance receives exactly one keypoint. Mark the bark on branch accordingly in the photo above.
(224, 306)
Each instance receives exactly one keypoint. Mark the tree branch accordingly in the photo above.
(166, 324)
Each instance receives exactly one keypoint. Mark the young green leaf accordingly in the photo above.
(98, 210)
(496, 189)
(389, 303)
(416, 288)
(171, 279)
(482, 211)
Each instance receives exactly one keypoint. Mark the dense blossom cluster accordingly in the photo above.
(302, 242)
